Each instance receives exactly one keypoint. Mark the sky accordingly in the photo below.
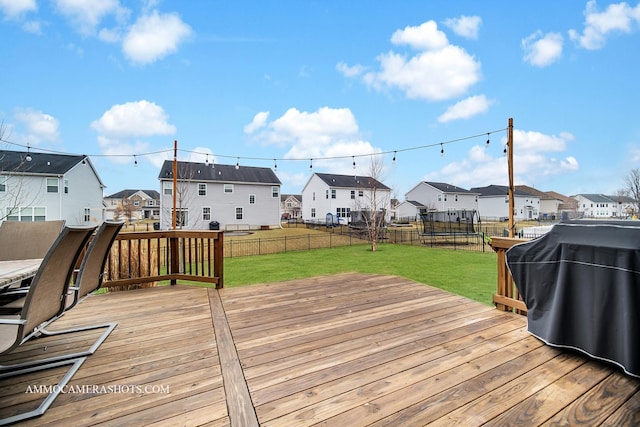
(329, 86)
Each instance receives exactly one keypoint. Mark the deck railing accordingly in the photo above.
(507, 297)
(145, 257)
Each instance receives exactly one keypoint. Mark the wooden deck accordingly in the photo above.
(343, 350)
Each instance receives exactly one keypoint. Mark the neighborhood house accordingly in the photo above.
(46, 187)
(336, 196)
(216, 196)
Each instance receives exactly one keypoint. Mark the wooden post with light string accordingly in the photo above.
(511, 188)
(173, 242)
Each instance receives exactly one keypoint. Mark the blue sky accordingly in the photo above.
(332, 81)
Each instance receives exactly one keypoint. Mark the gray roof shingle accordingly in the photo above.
(218, 173)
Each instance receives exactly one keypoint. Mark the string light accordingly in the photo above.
(505, 149)
(135, 160)
(275, 165)
(394, 158)
(165, 151)
(206, 160)
(310, 164)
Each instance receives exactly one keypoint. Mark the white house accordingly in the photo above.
(602, 206)
(411, 210)
(549, 203)
(493, 203)
(143, 204)
(234, 197)
(338, 195)
(44, 187)
(443, 197)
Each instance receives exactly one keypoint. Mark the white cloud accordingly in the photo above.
(15, 9)
(465, 26)
(535, 159)
(466, 108)
(330, 134)
(38, 127)
(140, 118)
(541, 49)
(259, 121)
(617, 18)
(348, 71)
(439, 70)
(86, 15)
(155, 36)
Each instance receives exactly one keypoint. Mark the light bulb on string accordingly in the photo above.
(310, 164)
(275, 165)
(28, 158)
(206, 160)
(394, 158)
(354, 161)
(505, 150)
(488, 140)
(238, 163)
(135, 160)
(441, 150)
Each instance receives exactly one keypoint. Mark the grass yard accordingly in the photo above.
(471, 274)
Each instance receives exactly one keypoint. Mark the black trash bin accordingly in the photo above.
(214, 225)
(156, 226)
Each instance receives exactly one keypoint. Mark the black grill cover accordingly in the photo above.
(581, 285)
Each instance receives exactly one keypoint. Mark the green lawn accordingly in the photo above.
(471, 274)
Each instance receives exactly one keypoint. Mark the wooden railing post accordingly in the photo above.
(506, 297)
(218, 260)
(174, 257)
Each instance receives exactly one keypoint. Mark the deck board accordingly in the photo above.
(348, 349)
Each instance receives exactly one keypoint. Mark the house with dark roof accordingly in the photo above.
(42, 187)
(142, 204)
(221, 196)
(441, 197)
(493, 203)
(410, 210)
(339, 195)
(603, 206)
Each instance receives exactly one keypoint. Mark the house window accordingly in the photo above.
(87, 214)
(360, 193)
(182, 218)
(3, 184)
(326, 194)
(445, 197)
(52, 185)
(239, 213)
(314, 195)
(456, 197)
(289, 204)
(28, 214)
(252, 199)
(313, 212)
(333, 193)
(353, 194)
(136, 203)
(275, 191)
(206, 214)
(66, 186)
(343, 212)
(228, 188)
(439, 197)
(167, 188)
(202, 189)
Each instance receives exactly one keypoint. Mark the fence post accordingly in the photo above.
(218, 260)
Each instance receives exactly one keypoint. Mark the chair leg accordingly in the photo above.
(42, 333)
(55, 390)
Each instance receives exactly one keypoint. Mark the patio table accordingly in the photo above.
(13, 272)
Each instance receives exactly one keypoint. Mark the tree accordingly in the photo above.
(373, 209)
(632, 187)
(125, 209)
